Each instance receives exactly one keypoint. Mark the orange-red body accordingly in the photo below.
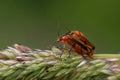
(78, 42)
(81, 38)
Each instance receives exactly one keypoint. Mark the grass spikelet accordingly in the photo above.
(22, 63)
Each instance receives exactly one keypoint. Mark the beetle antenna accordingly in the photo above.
(58, 28)
(67, 30)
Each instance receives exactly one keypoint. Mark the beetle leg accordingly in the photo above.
(90, 54)
(63, 48)
(70, 52)
(82, 54)
(71, 49)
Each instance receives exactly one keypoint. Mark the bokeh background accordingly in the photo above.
(36, 23)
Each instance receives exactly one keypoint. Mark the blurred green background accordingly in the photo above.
(35, 22)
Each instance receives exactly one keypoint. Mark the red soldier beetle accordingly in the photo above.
(78, 42)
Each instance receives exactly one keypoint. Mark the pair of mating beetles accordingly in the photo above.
(78, 43)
